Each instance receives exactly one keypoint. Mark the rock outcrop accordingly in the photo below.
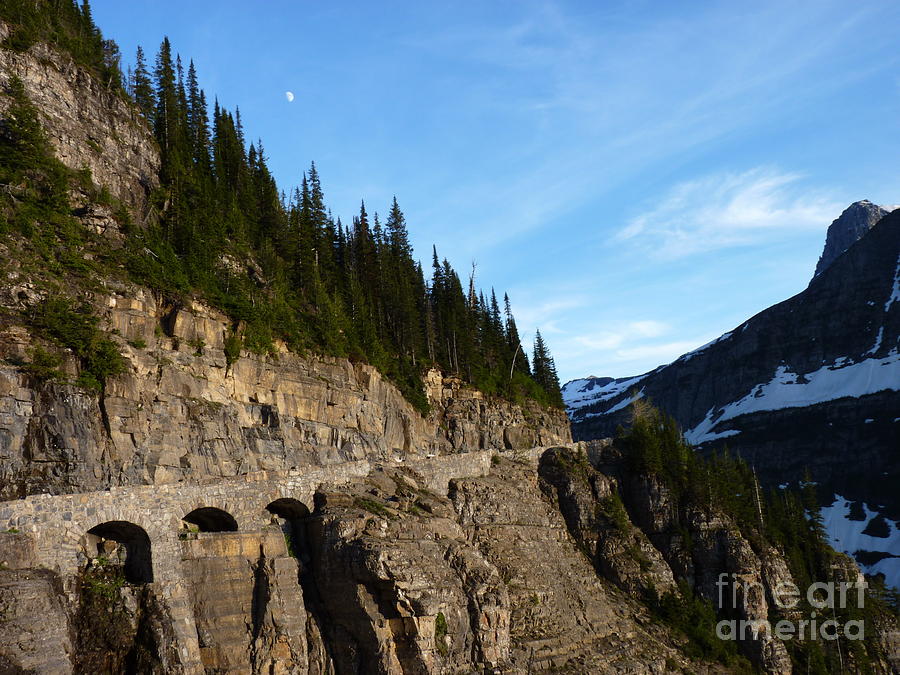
(400, 570)
(90, 126)
(253, 614)
(405, 592)
(34, 630)
(590, 503)
(702, 547)
(563, 614)
(854, 223)
(485, 581)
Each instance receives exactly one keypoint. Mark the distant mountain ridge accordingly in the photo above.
(812, 382)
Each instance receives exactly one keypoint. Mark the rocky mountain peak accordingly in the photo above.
(856, 220)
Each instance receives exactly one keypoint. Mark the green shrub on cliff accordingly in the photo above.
(33, 183)
(44, 365)
(76, 327)
(441, 629)
(612, 509)
(696, 618)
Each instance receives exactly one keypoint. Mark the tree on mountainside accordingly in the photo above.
(142, 86)
(70, 28)
(35, 182)
(544, 369)
(513, 341)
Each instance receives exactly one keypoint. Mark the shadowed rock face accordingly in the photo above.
(810, 382)
(854, 223)
(637, 537)
(247, 604)
(596, 518)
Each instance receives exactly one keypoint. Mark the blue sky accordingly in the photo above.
(639, 176)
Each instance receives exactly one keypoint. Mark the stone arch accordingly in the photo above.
(138, 564)
(293, 515)
(211, 519)
(288, 508)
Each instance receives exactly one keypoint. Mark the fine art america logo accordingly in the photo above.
(823, 598)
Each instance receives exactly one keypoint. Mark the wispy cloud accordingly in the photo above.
(587, 106)
(622, 352)
(622, 334)
(663, 352)
(544, 314)
(727, 210)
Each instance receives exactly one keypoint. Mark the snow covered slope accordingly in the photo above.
(791, 390)
(852, 535)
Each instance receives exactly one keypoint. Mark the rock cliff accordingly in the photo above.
(91, 128)
(182, 411)
(398, 570)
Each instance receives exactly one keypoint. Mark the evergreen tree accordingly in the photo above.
(513, 341)
(544, 370)
(166, 116)
(142, 87)
(27, 162)
(197, 123)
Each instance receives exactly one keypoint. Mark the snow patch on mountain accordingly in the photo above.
(877, 344)
(579, 393)
(786, 389)
(703, 433)
(847, 536)
(624, 403)
(895, 294)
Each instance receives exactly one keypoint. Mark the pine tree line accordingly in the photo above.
(283, 267)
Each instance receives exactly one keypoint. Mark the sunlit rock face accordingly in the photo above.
(89, 125)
